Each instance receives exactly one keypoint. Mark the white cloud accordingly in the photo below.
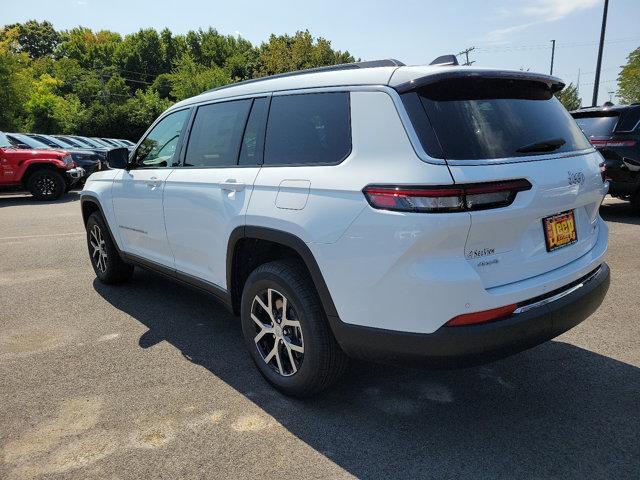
(497, 36)
(551, 10)
(538, 11)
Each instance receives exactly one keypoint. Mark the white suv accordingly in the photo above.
(440, 214)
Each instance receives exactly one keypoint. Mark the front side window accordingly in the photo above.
(308, 129)
(158, 149)
(216, 134)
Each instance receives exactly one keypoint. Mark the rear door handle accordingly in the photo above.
(232, 185)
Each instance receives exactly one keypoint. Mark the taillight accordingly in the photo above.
(482, 317)
(448, 198)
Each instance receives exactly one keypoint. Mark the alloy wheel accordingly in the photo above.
(278, 335)
(46, 186)
(99, 253)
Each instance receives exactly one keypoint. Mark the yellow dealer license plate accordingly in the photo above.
(560, 230)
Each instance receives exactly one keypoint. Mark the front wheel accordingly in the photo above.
(287, 332)
(46, 184)
(105, 257)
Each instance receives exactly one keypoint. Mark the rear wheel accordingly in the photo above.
(46, 184)
(105, 258)
(286, 330)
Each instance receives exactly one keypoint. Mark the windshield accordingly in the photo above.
(483, 118)
(597, 126)
(32, 142)
(4, 141)
(58, 142)
(91, 142)
(69, 141)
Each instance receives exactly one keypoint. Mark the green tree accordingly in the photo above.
(189, 78)
(91, 50)
(36, 39)
(15, 82)
(285, 53)
(629, 79)
(569, 97)
(140, 58)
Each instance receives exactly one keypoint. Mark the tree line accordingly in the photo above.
(101, 83)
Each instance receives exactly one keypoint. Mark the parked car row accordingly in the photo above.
(50, 165)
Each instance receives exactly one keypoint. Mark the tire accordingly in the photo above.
(46, 184)
(305, 327)
(105, 258)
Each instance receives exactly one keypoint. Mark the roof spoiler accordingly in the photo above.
(444, 60)
(553, 83)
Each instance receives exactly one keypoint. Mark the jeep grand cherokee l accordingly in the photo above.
(439, 214)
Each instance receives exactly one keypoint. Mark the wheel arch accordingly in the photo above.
(36, 166)
(90, 204)
(280, 238)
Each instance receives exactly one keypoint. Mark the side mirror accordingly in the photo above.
(118, 158)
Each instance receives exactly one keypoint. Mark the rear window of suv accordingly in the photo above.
(480, 118)
(598, 126)
(308, 129)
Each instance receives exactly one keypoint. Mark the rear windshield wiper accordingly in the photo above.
(543, 146)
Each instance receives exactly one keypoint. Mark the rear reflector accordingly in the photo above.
(449, 198)
(482, 317)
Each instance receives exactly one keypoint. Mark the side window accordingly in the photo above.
(308, 129)
(253, 140)
(159, 147)
(216, 134)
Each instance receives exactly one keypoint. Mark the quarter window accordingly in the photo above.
(216, 134)
(158, 149)
(308, 129)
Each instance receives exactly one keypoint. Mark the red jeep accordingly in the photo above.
(47, 174)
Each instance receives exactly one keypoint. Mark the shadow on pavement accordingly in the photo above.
(620, 212)
(554, 411)
(18, 199)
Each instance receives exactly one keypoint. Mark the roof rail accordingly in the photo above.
(390, 62)
(445, 60)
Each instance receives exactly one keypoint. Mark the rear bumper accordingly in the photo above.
(451, 347)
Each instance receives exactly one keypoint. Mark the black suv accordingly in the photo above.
(615, 132)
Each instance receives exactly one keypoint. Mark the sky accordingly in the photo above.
(513, 34)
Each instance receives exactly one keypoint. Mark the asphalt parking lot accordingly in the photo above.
(152, 380)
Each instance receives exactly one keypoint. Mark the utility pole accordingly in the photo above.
(553, 52)
(578, 84)
(596, 84)
(466, 54)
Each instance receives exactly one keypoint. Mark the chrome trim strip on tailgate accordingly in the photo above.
(557, 296)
